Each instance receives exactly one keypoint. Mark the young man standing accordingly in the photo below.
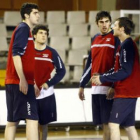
(20, 95)
(46, 61)
(100, 59)
(126, 75)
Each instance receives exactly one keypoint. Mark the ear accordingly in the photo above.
(122, 29)
(35, 36)
(97, 24)
(26, 16)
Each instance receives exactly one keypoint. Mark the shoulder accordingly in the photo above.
(51, 49)
(128, 45)
(128, 41)
(95, 36)
(117, 41)
(23, 27)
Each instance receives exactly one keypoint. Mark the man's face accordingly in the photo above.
(34, 17)
(104, 25)
(116, 28)
(41, 37)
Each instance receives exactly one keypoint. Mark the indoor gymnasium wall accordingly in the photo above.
(70, 5)
(46, 5)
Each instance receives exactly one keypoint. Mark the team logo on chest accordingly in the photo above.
(108, 39)
(45, 55)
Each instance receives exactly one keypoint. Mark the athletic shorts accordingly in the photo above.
(20, 106)
(123, 111)
(47, 110)
(101, 108)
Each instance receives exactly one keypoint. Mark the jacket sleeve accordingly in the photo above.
(117, 44)
(87, 72)
(60, 70)
(20, 41)
(126, 65)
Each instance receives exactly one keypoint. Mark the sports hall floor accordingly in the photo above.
(74, 134)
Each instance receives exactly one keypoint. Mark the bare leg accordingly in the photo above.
(32, 129)
(114, 131)
(10, 130)
(106, 132)
(43, 130)
(132, 133)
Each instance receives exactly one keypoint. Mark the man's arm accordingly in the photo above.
(23, 85)
(87, 72)
(85, 78)
(126, 60)
(60, 71)
(19, 49)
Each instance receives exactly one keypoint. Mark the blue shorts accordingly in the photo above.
(47, 109)
(123, 111)
(101, 108)
(20, 106)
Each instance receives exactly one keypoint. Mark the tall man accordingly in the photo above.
(46, 61)
(20, 95)
(126, 75)
(100, 59)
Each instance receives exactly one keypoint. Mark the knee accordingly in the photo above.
(105, 126)
(43, 128)
(113, 126)
(32, 124)
(130, 128)
(12, 124)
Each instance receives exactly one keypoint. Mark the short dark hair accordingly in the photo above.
(40, 27)
(26, 8)
(103, 14)
(127, 24)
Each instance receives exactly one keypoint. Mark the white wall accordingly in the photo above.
(69, 108)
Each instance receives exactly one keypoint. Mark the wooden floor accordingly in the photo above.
(61, 134)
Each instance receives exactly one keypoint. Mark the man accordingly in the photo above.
(46, 60)
(126, 75)
(100, 59)
(20, 95)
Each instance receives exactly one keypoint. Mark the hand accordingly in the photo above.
(81, 94)
(37, 91)
(110, 94)
(96, 79)
(45, 86)
(23, 86)
(96, 74)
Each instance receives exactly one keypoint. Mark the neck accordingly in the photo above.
(28, 23)
(109, 30)
(123, 37)
(40, 46)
